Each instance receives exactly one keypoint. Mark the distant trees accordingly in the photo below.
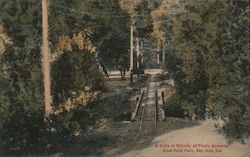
(140, 26)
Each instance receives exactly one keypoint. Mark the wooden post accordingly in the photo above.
(46, 59)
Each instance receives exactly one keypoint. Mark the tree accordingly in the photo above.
(74, 37)
(78, 27)
(46, 59)
(21, 103)
(131, 7)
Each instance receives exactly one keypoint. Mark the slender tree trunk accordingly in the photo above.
(131, 51)
(137, 54)
(46, 60)
(131, 47)
(142, 52)
(158, 55)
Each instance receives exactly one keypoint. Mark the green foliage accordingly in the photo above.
(111, 53)
(239, 122)
(173, 107)
(105, 18)
(143, 20)
(22, 126)
(208, 57)
(72, 72)
(21, 103)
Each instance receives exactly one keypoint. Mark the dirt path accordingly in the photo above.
(185, 140)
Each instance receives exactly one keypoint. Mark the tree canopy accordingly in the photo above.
(207, 45)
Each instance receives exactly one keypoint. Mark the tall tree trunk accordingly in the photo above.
(137, 53)
(46, 60)
(158, 55)
(131, 51)
(142, 51)
(131, 46)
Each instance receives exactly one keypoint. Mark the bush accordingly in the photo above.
(73, 71)
(22, 132)
(238, 124)
(173, 107)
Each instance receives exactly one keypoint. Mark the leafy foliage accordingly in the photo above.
(74, 36)
(207, 44)
(21, 100)
(73, 71)
(208, 57)
(102, 22)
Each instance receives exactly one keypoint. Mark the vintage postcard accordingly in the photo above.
(124, 78)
